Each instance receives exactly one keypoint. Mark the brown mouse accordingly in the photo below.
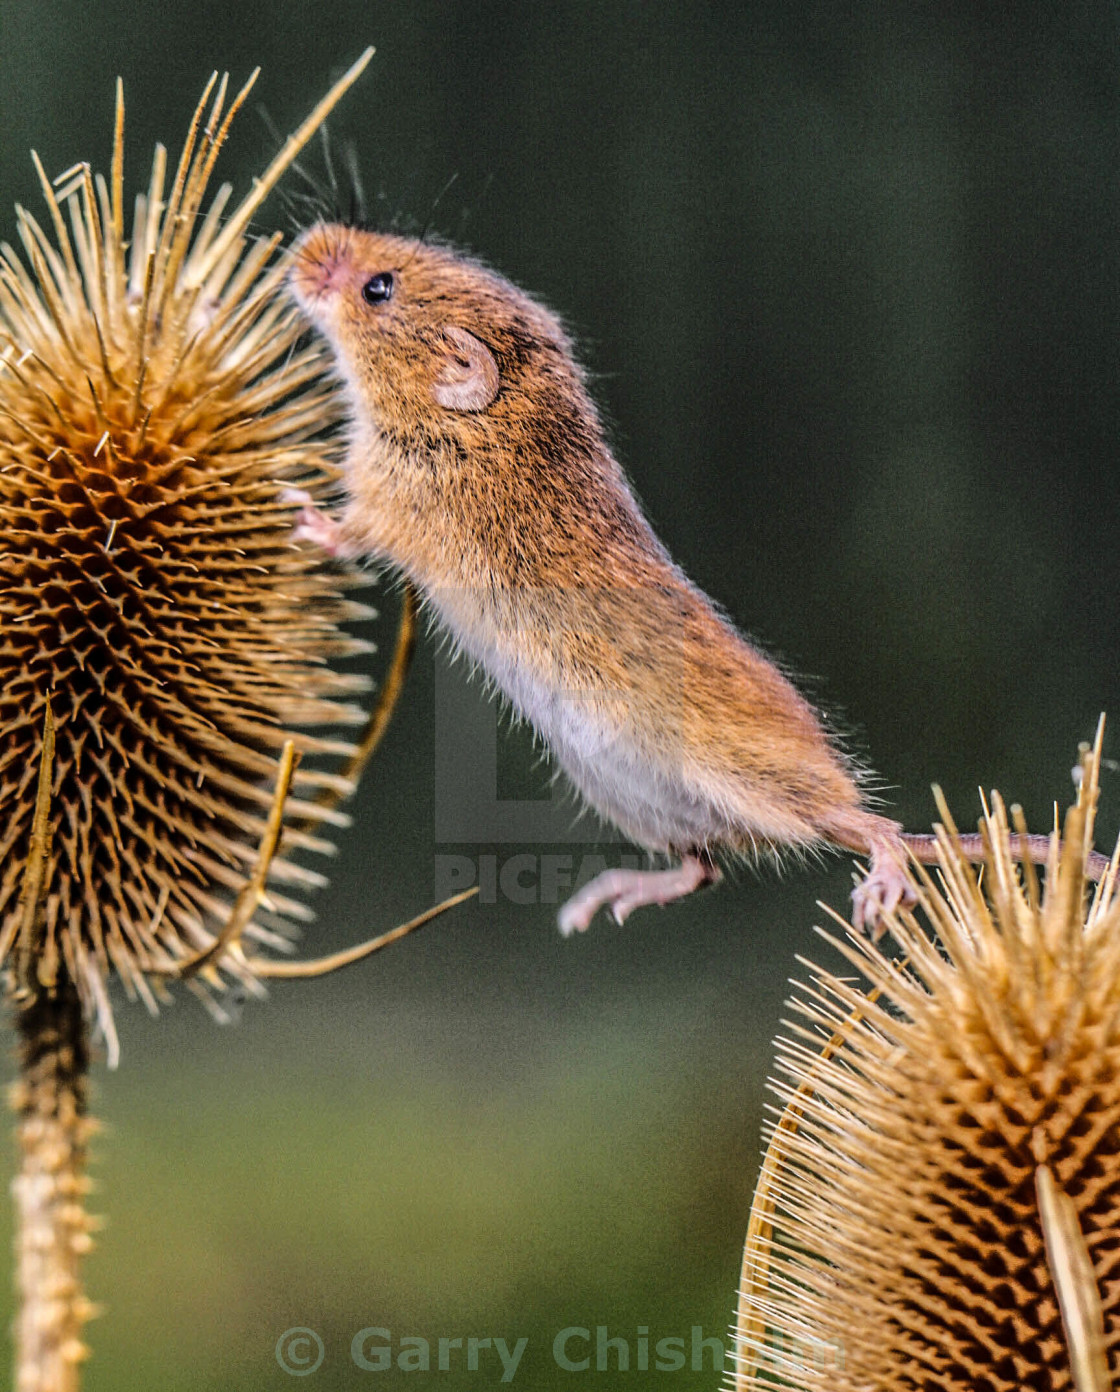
(478, 468)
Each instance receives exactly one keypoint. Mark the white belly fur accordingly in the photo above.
(652, 798)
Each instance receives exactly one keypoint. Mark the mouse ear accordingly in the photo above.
(468, 378)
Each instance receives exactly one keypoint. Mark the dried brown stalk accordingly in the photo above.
(52, 1228)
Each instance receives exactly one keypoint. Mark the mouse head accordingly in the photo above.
(429, 342)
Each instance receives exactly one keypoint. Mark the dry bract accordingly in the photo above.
(154, 393)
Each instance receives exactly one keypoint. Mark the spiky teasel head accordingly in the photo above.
(940, 1203)
(154, 396)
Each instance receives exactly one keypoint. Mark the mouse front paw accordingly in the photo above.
(314, 525)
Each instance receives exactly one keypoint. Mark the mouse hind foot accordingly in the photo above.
(623, 891)
(888, 884)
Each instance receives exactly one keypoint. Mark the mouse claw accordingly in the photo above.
(573, 919)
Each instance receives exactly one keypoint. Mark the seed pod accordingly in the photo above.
(940, 1203)
(156, 396)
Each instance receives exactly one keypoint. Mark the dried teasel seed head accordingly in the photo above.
(155, 397)
(939, 1207)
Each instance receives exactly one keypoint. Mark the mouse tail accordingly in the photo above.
(1023, 848)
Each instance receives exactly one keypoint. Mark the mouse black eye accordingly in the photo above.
(378, 288)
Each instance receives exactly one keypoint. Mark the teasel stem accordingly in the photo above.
(52, 1227)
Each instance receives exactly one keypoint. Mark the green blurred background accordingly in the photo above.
(847, 278)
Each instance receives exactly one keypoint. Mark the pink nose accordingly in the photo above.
(320, 265)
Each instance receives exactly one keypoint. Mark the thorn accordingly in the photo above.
(68, 173)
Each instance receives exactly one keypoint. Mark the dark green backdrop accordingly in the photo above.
(847, 277)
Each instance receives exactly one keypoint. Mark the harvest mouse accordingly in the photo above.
(478, 468)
